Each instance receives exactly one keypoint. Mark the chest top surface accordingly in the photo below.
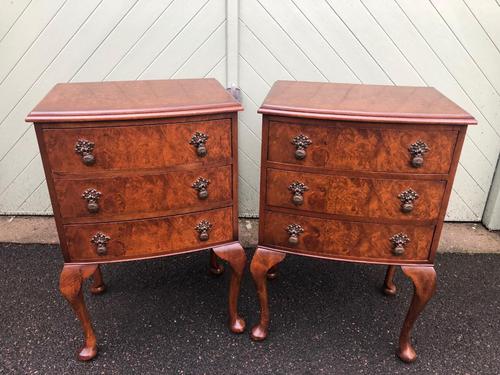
(356, 102)
(127, 100)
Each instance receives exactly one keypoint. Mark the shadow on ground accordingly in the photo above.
(168, 316)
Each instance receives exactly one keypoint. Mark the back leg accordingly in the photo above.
(98, 286)
(215, 267)
(389, 286)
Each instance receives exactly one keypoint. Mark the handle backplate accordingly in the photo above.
(100, 240)
(417, 152)
(203, 228)
(399, 242)
(84, 148)
(199, 141)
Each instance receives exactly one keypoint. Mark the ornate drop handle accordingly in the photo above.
(100, 240)
(297, 188)
(203, 228)
(198, 140)
(301, 142)
(407, 198)
(417, 151)
(201, 185)
(294, 230)
(399, 242)
(84, 148)
(92, 197)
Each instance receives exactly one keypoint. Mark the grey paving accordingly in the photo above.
(168, 316)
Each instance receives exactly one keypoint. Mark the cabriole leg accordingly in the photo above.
(70, 285)
(98, 286)
(389, 286)
(424, 282)
(262, 262)
(215, 267)
(235, 256)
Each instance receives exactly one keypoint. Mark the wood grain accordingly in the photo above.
(142, 238)
(139, 195)
(85, 101)
(344, 239)
(138, 147)
(359, 148)
(357, 197)
(349, 101)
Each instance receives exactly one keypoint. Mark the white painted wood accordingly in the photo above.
(24, 32)
(451, 45)
(84, 41)
(404, 43)
(491, 216)
(232, 42)
(11, 11)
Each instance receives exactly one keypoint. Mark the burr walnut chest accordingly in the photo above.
(357, 173)
(137, 170)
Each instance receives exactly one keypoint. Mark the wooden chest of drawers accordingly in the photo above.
(138, 170)
(357, 173)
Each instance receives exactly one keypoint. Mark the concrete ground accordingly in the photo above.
(169, 316)
(456, 237)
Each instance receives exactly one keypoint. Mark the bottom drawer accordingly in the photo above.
(143, 238)
(346, 240)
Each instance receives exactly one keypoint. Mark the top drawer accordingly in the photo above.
(138, 146)
(374, 149)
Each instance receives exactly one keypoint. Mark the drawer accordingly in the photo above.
(346, 240)
(137, 147)
(375, 149)
(143, 238)
(137, 195)
(354, 196)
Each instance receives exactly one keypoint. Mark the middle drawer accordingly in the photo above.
(355, 196)
(141, 195)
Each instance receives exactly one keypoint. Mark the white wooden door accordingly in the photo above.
(43, 42)
(453, 45)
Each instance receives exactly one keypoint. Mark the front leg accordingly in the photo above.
(70, 285)
(389, 286)
(98, 286)
(235, 256)
(262, 261)
(424, 282)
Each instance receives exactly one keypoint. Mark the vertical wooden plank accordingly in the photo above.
(232, 42)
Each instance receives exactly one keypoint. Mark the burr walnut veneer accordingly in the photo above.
(357, 173)
(138, 170)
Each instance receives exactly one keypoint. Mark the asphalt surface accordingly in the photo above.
(169, 316)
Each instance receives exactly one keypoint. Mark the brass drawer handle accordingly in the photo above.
(407, 198)
(100, 240)
(417, 152)
(92, 197)
(84, 148)
(301, 142)
(298, 188)
(294, 230)
(201, 185)
(399, 242)
(203, 228)
(199, 140)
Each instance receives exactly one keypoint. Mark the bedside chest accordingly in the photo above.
(357, 173)
(139, 170)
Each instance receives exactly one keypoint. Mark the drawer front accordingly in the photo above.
(354, 196)
(137, 147)
(143, 238)
(123, 197)
(349, 240)
(361, 149)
